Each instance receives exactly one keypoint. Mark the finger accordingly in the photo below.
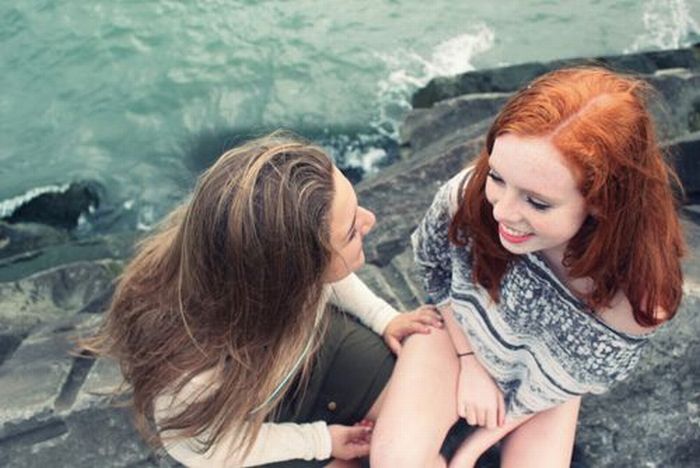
(430, 319)
(481, 417)
(357, 450)
(393, 344)
(471, 416)
(356, 433)
(417, 327)
(461, 409)
(492, 418)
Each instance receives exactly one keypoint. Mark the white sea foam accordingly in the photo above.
(409, 70)
(667, 25)
(8, 206)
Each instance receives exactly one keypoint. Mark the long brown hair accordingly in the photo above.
(632, 240)
(232, 282)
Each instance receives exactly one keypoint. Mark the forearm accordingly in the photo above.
(354, 296)
(275, 442)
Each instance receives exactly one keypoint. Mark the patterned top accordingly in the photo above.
(540, 343)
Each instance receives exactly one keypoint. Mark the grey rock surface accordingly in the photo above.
(510, 78)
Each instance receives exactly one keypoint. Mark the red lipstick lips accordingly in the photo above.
(512, 238)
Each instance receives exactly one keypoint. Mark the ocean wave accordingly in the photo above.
(9, 205)
(667, 25)
(409, 70)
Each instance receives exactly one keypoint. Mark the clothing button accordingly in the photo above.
(332, 406)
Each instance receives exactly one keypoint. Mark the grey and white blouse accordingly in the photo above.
(540, 343)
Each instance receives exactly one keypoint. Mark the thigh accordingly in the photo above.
(350, 371)
(419, 408)
(544, 441)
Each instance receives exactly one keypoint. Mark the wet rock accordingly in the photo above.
(685, 153)
(60, 208)
(511, 78)
(22, 238)
(54, 295)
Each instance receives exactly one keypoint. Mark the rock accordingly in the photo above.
(60, 207)
(117, 246)
(400, 195)
(680, 90)
(54, 295)
(20, 238)
(511, 78)
(41, 423)
(685, 153)
(658, 405)
(448, 123)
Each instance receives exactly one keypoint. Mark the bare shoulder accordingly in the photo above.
(619, 316)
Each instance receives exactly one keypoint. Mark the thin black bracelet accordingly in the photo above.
(468, 353)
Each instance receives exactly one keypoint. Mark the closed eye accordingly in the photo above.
(538, 205)
(495, 177)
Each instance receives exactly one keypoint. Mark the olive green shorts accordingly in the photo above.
(350, 370)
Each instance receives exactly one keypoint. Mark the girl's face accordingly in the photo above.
(534, 196)
(349, 223)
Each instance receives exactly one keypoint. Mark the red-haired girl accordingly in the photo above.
(552, 259)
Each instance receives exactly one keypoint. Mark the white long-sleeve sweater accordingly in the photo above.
(276, 441)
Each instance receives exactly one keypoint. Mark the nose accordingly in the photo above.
(367, 220)
(506, 208)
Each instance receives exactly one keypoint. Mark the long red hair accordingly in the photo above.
(632, 240)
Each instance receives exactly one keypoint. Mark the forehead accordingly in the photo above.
(533, 164)
(343, 207)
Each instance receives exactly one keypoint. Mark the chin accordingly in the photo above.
(517, 249)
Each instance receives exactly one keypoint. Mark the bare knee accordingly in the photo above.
(392, 455)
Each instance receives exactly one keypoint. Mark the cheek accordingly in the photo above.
(489, 190)
(561, 227)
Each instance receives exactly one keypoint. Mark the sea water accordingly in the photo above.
(141, 95)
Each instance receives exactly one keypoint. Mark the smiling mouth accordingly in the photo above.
(513, 235)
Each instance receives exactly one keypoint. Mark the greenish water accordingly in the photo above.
(122, 92)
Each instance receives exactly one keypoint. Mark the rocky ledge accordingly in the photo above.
(55, 408)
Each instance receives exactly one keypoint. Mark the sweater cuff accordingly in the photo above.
(382, 320)
(322, 440)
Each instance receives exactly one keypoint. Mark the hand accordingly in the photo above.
(479, 400)
(416, 321)
(348, 442)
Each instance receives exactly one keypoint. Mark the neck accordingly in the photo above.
(555, 260)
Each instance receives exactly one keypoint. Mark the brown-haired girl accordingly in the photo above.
(552, 259)
(220, 326)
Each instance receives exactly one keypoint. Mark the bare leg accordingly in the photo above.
(545, 441)
(419, 408)
(480, 441)
(376, 407)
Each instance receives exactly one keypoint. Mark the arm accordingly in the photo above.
(431, 247)
(479, 400)
(352, 295)
(274, 442)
